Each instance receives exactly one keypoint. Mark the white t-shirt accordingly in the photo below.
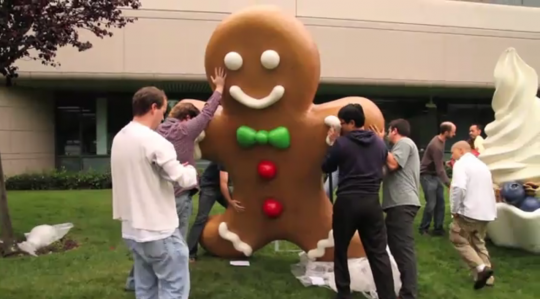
(143, 165)
(473, 176)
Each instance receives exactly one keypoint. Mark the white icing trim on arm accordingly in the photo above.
(197, 154)
(318, 252)
(226, 234)
(333, 122)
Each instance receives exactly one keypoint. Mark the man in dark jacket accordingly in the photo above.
(360, 156)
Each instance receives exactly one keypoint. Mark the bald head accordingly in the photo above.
(447, 130)
(464, 145)
(460, 148)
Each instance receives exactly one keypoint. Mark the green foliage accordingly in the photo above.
(59, 180)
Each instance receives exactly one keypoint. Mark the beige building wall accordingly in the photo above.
(421, 42)
(26, 131)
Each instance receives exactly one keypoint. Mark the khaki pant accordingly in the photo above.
(468, 236)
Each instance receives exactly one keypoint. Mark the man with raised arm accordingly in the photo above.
(433, 178)
(143, 165)
(184, 124)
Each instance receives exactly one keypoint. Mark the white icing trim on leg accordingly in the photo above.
(226, 234)
(318, 252)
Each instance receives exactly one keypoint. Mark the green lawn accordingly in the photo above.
(99, 267)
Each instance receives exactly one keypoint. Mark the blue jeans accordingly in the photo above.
(435, 205)
(184, 206)
(161, 268)
(335, 177)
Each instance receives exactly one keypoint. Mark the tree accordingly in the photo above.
(35, 29)
(6, 229)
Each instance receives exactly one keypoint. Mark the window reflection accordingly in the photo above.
(75, 127)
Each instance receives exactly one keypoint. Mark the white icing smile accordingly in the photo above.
(269, 60)
(239, 95)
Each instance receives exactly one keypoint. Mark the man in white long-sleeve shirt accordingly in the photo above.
(143, 165)
(472, 202)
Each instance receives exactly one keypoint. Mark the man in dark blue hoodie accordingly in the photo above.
(360, 156)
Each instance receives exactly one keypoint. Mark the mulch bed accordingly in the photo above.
(62, 245)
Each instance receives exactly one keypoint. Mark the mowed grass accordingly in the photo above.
(98, 268)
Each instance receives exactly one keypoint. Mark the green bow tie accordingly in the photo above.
(278, 137)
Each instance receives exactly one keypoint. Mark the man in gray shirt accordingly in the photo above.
(401, 201)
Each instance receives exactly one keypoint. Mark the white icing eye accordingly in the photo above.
(233, 61)
(270, 59)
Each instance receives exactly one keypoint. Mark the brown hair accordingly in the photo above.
(402, 126)
(182, 110)
(145, 97)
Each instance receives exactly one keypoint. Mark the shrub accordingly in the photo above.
(59, 180)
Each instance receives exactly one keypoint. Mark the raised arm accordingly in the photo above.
(331, 160)
(399, 156)
(195, 126)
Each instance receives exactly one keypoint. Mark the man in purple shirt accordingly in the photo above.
(182, 127)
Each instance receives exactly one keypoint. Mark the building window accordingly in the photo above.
(75, 127)
(119, 114)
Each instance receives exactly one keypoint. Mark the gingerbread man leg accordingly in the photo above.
(223, 235)
(314, 233)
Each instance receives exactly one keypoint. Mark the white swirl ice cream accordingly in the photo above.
(512, 146)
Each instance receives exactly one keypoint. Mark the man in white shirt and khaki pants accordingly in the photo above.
(143, 165)
(472, 201)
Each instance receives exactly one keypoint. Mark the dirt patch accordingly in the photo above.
(62, 245)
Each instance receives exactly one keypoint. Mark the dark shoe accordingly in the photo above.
(482, 278)
(342, 296)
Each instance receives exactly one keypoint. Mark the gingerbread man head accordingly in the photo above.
(271, 60)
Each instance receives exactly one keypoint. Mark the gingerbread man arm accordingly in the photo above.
(327, 112)
(207, 139)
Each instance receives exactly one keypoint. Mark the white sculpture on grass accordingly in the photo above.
(43, 236)
(512, 148)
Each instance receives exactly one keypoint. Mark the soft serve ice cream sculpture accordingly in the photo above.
(512, 148)
(271, 137)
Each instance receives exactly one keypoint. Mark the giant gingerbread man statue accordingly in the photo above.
(268, 121)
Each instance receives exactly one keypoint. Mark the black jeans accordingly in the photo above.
(400, 229)
(362, 213)
(207, 197)
(435, 205)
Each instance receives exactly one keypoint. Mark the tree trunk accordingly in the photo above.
(6, 227)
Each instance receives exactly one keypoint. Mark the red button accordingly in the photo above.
(272, 208)
(267, 170)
